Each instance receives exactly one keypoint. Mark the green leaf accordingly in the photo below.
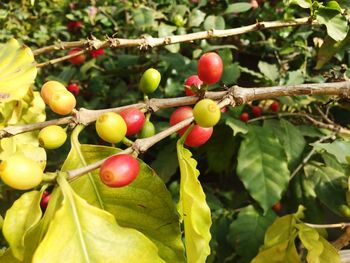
(248, 230)
(262, 166)
(193, 208)
(295, 77)
(330, 186)
(143, 17)
(8, 257)
(165, 30)
(17, 70)
(336, 23)
(166, 163)
(328, 49)
(231, 73)
(340, 149)
(238, 8)
(20, 218)
(269, 70)
(145, 205)
(214, 22)
(237, 126)
(220, 149)
(290, 137)
(196, 18)
(302, 3)
(319, 249)
(80, 232)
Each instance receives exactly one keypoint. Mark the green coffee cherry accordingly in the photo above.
(52, 137)
(149, 81)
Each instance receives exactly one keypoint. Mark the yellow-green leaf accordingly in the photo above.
(24, 214)
(193, 208)
(17, 70)
(83, 233)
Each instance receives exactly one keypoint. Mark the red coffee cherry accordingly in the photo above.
(210, 68)
(97, 52)
(74, 88)
(73, 26)
(77, 60)
(179, 115)
(45, 198)
(192, 81)
(257, 111)
(277, 207)
(134, 119)
(119, 170)
(244, 117)
(274, 106)
(198, 135)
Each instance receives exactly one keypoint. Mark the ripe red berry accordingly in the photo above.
(45, 198)
(179, 115)
(74, 88)
(210, 68)
(257, 111)
(97, 52)
(73, 26)
(274, 106)
(119, 170)
(190, 82)
(244, 117)
(198, 135)
(134, 119)
(77, 60)
(223, 110)
(277, 207)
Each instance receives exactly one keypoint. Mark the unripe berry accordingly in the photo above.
(210, 68)
(134, 119)
(119, 170)
(149, 81)
(62, 102)
(49, 88)
(77, 60)
(111, 127)
(147, 130)
(244, 117)
(52, 137)
(254, 4)
(257, 111)
(20, 172)
(206, 113)
(274, 106)
(74, 88)
(192, 81)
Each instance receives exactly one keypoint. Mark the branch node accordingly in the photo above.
(167, 40)
(237, 96)
(113, 42)
(210, 33)
(259, 25)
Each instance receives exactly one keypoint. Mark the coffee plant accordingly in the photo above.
(174, 131)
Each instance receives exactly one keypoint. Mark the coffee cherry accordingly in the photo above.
(49, 88)
(77, 60)
(74, 88)
(274, 106)
(206, 113)
(52, 137)
(192, 81)
(45, 198)
(198, 136)
(97, 52)
(134, 119)
(147, 130)
(111, 127)
(20, 172)
(244, 117)
(179, 115)
(62, 102)
(119, 170)
(73, 26)
(149, 81)
(223, 110)
(210, 68)
(257, 111)
(277, 207)
(254, 4)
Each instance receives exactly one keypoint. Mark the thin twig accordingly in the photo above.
(150, 42)
(338, 225)
(311, 153)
